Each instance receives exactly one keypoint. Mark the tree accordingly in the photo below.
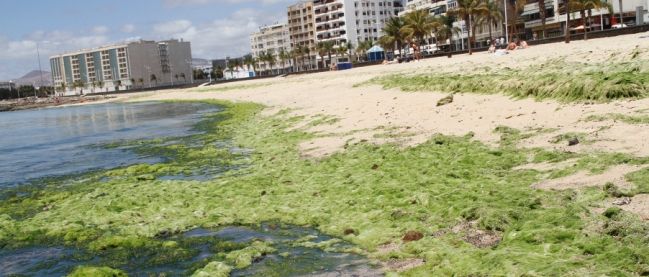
(176, 76)
(468, 10)
(297, 53)
(154, 79)
(182, 75)
(326, 47)
(393, 34)
(491, 16)
(250, 62)
(118, 84)
(569, 4)
(446, 30)
(78, 84)
(283, 57)
(133, 83)
(362, 48)
(350, 49)
(589, 5)
(141, 80)
(418, 25)
(100, 84)
(542, 15)
(341, 50)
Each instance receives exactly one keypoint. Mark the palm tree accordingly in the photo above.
(141, 80)
(418, 25)
(176, 76)
(326, 47)
(393, 34)
(446, 30)
(491, 17)
(182, 75)
(100, 84)
(542, 15)
(154, 79)
(350, 49)
(589, 5)
(361, 49)
(295, 54)
(133, 82)
(94, 85)
(250, 62)
(341, 51)
(283, 57)
(468, 10)
(569, 4)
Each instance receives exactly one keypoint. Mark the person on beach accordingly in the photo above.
(492, 48)
(512, 46)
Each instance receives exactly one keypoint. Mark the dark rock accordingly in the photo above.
(350, 231)
(412, 236)
(573, 142)
(375, 167)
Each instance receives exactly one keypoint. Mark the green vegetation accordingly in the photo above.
(556, 79)
(229, 88)
(368, 195)
(630, 119)
(84, 271)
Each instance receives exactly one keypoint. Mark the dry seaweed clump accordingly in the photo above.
(369, 195)
(555, 79)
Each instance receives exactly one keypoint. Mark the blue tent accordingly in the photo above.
(376, 53)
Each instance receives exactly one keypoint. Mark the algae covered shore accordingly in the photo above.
(449, 206)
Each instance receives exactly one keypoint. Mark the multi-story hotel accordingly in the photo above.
(301, 26)
(271, 39)
(344, 21)
(555, 16)
(141, 64)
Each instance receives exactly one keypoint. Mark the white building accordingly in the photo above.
(238, 73)
(271, 39)
(601, 19)
(344, 21)
(141, 64)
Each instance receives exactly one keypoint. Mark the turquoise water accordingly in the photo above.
(62, 141)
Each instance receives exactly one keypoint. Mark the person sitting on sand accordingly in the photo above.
(512, 46)
(523, 45)
(492, 48)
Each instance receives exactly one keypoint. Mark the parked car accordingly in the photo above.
(429, 49)
(619, 25)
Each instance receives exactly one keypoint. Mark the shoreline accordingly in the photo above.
(481, 185)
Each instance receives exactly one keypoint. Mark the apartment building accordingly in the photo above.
(271, 39)
(141, 64)
(301, 24)
(555, 16)
(434, 7)
(343, 21)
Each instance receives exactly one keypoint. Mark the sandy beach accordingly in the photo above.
(361, 110)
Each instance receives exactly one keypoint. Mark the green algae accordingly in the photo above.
(229, 88)
(380, 192)
(213, 269)
(555, 79)
(244, 257)
(85, 271)
(629, 119)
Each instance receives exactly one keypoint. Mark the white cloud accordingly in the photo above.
(128, 28)
(219, 38)
(19, 56)
(100, 30)
(172, 27)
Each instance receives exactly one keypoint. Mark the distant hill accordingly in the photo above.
(34, 78)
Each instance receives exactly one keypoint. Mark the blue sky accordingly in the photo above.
(216, 28)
